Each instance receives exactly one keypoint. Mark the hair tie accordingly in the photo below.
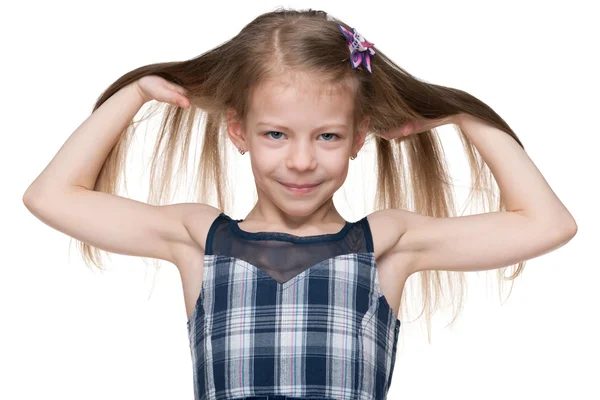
(360, 48)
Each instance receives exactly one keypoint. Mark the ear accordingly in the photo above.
(360, 135)
(235, 130)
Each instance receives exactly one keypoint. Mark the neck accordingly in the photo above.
(273, 216)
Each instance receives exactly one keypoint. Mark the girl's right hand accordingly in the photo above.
(154, 87)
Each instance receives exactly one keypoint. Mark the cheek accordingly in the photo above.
(263, 165)
(335, 166)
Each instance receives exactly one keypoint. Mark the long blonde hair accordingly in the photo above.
(310, 41)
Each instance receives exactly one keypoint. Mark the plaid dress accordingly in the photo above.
(281, 316)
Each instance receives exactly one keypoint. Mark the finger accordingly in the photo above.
(181, 90)
(176, 97)
(183, 101)
(408, 128)
(175, 88)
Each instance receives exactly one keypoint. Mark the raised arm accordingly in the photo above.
(62, 196)
(536, 221)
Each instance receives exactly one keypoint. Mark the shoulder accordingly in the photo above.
(197, 219)
(389, 226)
(385, 229)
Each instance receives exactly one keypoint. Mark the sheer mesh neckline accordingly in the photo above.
(288, 237)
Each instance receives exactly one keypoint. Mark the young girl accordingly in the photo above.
(293, 301)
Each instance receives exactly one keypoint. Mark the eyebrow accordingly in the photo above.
(285, 128)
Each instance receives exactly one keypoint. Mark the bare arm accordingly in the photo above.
(536, 221)
(522, 185)
(62, 196)
(79, 160)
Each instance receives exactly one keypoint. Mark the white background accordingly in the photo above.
(67, 333)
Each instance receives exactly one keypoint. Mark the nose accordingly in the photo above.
(301, 157)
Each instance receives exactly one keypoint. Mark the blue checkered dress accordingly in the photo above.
(281, 316)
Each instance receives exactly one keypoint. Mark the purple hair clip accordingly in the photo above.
(360, 49)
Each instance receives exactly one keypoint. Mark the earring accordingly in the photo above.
(241, 151)
(353, 157)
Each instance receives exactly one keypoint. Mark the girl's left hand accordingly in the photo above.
(418, 126)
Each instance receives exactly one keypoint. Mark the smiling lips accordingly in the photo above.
(307, 185)
(300, 189)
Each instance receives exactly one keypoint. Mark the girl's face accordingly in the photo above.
(298, 133)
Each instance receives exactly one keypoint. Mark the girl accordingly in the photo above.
(293, 301)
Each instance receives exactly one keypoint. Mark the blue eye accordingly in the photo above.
(271, 132)
(334, 134)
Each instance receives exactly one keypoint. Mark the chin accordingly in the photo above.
(301, 205)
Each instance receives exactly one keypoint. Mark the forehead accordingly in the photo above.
(298, 98)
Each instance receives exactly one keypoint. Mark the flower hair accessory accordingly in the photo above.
(360, 49)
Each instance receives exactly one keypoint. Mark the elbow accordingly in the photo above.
(563, 226)
(38, 196)
(31, 197)
(571, 228)
(566, 230)
(557, 231)
(31, 200)
(28, 198)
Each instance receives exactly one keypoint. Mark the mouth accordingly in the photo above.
(305, 185)
(300, 188)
